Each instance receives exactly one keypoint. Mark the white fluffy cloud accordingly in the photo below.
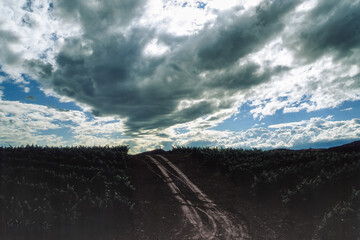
(293, 134)
(23, 124)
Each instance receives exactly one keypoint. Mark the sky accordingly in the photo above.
(160, 73)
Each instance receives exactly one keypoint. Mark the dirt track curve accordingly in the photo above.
(206, 219)
(178, 198)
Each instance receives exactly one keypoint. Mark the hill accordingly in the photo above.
(350, 147)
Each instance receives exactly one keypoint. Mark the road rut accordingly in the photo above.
(207, 220)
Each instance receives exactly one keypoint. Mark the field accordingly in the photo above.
(185, 193)
(55, 193)
(323, 183)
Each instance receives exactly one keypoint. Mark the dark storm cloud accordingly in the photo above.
(234, 37)
(109, 72)
(166, 120)
(244, 77)
(40, 69)
(7, 56)
(96, 16)
(332, 27)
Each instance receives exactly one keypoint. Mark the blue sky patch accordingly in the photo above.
(201, 4)
(244, 119)
(16, 92)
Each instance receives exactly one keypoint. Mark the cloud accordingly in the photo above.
(290, 135)
(233, 36)
(22, 123)
(109, 71)
(160, 65)
(97, 16)
(7, 55)
(332, 27)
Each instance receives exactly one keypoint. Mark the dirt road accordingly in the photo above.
(200, 217)
(208, 221)
(177, 199)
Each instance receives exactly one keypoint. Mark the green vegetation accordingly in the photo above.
(315, 181)
(48, 190)
(342, 221)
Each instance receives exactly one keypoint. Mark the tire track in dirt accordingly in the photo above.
(186, 206)
(208, 221)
